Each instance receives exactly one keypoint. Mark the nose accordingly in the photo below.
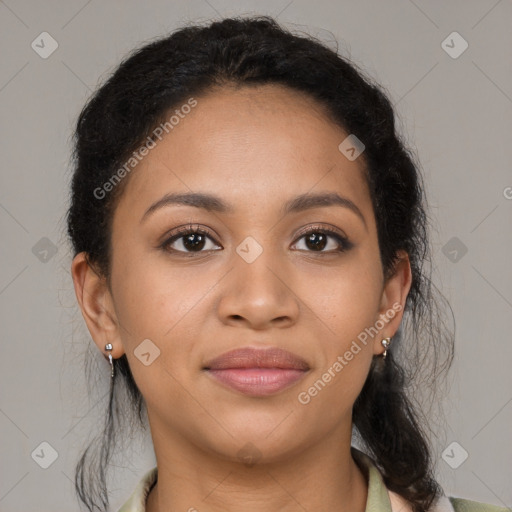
(258, 294)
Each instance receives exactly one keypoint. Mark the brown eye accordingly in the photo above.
(190, 240)
(316, 241)
(323, 240)
(194, 241)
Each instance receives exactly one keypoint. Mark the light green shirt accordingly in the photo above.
(379, 499)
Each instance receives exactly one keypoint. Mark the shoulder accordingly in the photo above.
(462, 505)
(137, 501)
(382, 499)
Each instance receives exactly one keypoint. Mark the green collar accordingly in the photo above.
(378, 497)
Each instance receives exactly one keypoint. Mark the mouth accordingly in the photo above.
(256, 371)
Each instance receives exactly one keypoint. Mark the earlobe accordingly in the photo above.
(95, 302)
(394, 296)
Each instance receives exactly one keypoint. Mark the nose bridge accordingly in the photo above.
(256, 289)
(256, 265)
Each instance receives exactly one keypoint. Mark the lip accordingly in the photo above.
(256, 371)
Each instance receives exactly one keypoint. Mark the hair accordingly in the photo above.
(240, 52)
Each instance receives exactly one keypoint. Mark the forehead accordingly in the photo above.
(251, 145)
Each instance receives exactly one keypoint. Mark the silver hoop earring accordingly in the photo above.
(385, 343)
(108, 346)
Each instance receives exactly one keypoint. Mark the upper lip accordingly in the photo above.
(250, 357)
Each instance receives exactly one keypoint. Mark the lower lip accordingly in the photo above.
(258, 381)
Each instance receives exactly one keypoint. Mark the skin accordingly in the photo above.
(255, 148)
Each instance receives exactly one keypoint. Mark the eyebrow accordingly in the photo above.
(213, 203)
(309, 201)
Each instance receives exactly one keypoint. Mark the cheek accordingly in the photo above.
(151, 295)
(163, 306)
(345, 300)
(170, 307)
(346, 308)
(330, 395)
(346, 351)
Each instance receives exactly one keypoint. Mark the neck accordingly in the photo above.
(320, 478)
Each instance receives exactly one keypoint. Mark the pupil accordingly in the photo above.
(189, 242)
(318, 241)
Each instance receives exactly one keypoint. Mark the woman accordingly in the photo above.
(250, 253)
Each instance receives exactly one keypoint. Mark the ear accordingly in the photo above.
(394, 295)
(95, 300)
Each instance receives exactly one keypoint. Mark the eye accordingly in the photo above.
(194, 239)
(190, 239)
(318, 238)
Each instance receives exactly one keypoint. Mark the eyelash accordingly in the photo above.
(343, 242)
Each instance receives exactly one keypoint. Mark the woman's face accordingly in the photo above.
(254, 279)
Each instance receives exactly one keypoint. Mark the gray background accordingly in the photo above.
(457, 112)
